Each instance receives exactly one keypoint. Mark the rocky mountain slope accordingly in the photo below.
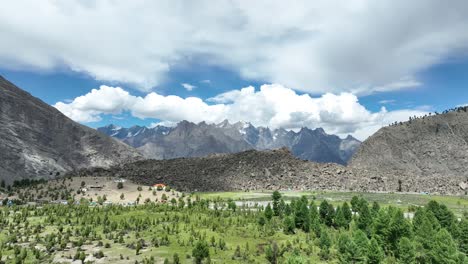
(194, 140)
(262, 170)
(249, 170)
(39, 141)
(431, 149)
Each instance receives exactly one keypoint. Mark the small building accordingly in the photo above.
(107, 203)
(120, 180)
(159, 186)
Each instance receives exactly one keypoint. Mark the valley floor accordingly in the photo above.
(166, 226)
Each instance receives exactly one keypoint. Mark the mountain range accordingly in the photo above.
(188, 139)
(39, 141)
(425, 154)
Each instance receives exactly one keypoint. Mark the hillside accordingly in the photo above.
(433, 149)
(188, 139)
(39, 141)
(249, 170)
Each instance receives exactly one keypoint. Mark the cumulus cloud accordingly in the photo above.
(189, 87)
(358, 46)
(89, 107)
(272, 105)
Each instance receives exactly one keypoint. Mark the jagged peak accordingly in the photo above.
(224, 123)
(349, 137)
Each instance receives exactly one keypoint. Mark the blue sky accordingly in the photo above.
(349, 70)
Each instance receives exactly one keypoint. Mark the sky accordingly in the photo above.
(349, 67)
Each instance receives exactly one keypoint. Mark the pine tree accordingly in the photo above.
(288, 225)
(380, 228)
(324, 244)
(313, 211)
(375, 254)
(375, 208)
(272, 253)
(340, 220)
(176, 259)
(445, 250)
(364, 220)
(348, 251)
(355, 203)
(463, 237)
(302, 217)
(406, 251)
(200, 251)
(399, 227)
(424, 238)
(276, 196)
(362, 243)
(327, 213)
(348, 215)
(268, 212)
(343, 245)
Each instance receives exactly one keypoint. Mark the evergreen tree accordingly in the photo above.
(324, 244)
(355, 204)
(380, 228)
(340, 220)
(445, 250)
(348, 215)
(313, 211)
(424, 238)
(375, 254)
(362, 243)
(348, 251)
(463, 237)
(327, 213)
(406, 251)
(288, 225)
(276, 203)
(268, 212)
(364, 220)
(200, 251)
(272, 253)
(399, 227)
(176, 259)
(375, 208)
(302, 217)
(343, 245)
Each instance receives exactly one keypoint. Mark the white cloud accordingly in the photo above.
(389, 101)
(188, 86)
(359, 46)
(89, 107)
(206, 81)
(272, 105)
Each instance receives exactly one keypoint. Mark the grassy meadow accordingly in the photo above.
(228, 227)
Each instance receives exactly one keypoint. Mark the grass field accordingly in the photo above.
(458, 204)
(234, 233)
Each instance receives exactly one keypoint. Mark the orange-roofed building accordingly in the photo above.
(159, 186)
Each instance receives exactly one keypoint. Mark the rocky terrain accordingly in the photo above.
(195, 140)
(39, 141)
(428, 151)
(262, 170)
